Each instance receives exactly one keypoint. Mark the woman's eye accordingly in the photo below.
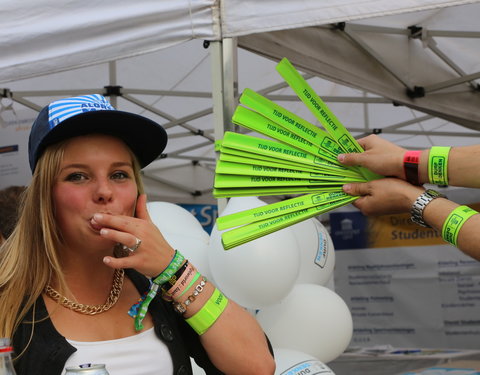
(120, 175)
(75, 177)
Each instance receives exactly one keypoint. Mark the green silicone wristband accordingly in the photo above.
(195, 278)
(438, 165)
(204, 318)
(454, 223)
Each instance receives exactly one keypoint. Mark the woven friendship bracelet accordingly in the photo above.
(209, 313)
(177, 276)
(143, 309)
(438, 165)
(411, 159)
(171, 269)
(164, 276)
(454, 223)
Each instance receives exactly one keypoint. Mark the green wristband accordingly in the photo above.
(438, 165)
(171, 269)
(195, 278)
(454, 223)
(204, 318)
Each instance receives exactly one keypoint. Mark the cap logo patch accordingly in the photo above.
(63, 109)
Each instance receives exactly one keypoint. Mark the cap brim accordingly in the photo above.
(145, 137)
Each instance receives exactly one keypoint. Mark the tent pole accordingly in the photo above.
(112, 75)
(223, 56)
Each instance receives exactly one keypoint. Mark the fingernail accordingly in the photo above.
(106, 260)
(341, 157)
(347, 188)
(103, 231)
(98, 216)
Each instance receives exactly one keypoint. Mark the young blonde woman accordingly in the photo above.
(86, 277)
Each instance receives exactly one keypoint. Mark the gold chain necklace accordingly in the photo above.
(91, 309)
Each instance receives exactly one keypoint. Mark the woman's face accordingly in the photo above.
(96, 175)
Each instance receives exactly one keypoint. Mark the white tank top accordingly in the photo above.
(142, 354)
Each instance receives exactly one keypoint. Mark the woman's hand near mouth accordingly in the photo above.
(153, 254)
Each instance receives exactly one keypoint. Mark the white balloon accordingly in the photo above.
(172, 218)
(293, 362)
(317, 252)
(237, 204)
(258, 273)
(311, 319)
(182, 231)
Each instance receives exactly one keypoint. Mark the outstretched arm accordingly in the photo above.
(393, 195)
(386, 158)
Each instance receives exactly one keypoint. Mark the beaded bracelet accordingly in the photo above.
(454, 223)
(438, 165)
(204, 318)
(181, 307)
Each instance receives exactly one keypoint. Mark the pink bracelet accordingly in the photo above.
(411, 160)
(179, 286)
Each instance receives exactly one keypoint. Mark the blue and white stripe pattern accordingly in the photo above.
(63, 109)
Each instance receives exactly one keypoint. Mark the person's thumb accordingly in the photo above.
(356, 189)
(352, 159)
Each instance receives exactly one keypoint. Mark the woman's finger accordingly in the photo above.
(122, 223)
(141, 210)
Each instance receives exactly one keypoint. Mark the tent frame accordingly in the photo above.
(224, 75)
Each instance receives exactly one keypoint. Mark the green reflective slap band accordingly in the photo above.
(225, 167)
(323, 114)
(245, 155)
(260, 158)
(289, 120)
(241, 235)
(268, 147)
(256, 122)
(438, 165)
(454, 223)
(230, 180)
(273, 190)
(268, 162)
(276, 209)
(237, 156)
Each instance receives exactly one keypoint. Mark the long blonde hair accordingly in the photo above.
(29, 258)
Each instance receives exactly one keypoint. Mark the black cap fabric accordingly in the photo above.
(81, 115)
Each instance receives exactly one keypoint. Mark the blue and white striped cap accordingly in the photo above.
(81, 115)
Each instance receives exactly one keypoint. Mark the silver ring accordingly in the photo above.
(138, 242)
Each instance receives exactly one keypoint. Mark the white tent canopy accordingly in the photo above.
(423, 60)
(39, 36)
(140, 55)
